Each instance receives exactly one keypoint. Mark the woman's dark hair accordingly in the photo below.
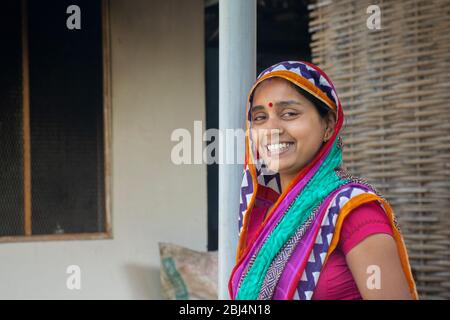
(321, 107)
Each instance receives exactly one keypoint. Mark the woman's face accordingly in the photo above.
(286, 127)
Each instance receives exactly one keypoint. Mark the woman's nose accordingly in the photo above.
(273, 128)
(272, 122)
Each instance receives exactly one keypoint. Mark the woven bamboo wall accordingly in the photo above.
(394, 84)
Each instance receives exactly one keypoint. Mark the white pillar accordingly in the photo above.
(237, 72)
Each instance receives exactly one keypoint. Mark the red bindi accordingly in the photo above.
(270, 104)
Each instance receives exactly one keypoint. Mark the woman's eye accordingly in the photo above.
(259, 118)
(289, 114)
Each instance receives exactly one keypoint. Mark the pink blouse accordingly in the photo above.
(336, 281)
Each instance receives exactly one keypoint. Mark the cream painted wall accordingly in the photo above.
(157, 86)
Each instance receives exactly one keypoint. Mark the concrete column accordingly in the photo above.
(237, 72)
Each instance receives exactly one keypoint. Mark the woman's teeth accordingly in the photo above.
(278, 147)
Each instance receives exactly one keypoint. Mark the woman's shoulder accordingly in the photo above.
(365, 220)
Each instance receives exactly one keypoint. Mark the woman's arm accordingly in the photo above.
(378, 252)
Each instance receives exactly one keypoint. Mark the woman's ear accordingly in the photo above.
(330, 121)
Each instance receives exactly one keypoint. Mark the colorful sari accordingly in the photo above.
(284, 258)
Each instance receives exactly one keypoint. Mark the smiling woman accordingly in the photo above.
(308, 229)
(289, 134)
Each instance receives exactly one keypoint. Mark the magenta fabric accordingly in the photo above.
(256, 219)
(336, 281)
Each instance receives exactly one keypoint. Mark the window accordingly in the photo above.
(54, 121)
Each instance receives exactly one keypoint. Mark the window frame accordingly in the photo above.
(107, 134)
